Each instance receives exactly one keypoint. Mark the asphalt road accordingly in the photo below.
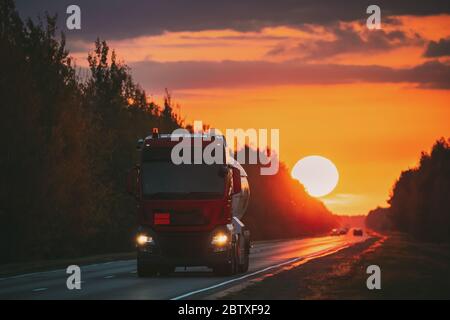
(118, 279)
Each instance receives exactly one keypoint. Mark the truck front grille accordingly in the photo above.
(189, 245)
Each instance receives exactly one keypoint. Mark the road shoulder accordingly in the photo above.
(410, 270)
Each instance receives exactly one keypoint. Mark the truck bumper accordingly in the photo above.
(183, 249)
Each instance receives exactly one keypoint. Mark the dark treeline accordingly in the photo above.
(378, 219)
(67, 144)
(420, 200)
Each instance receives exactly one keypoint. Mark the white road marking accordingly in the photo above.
(60, 270)
(108, 277)
(221, 284)
(39, 289)
(235, 279)
(32, 274)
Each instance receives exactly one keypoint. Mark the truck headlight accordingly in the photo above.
(220, 239)
(143, 239)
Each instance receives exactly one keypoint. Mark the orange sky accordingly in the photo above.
(371, 130)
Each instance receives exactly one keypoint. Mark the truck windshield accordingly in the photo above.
(165, 180)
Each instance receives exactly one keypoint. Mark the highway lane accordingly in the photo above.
(118, 279)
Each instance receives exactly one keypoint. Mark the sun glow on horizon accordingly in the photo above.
(318, 174)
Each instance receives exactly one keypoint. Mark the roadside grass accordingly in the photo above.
(409, 270)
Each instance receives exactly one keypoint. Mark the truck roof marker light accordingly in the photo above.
(155, 133)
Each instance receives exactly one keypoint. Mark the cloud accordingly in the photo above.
(348, 39)
(236, 74)
(127, 19)
(438, 49)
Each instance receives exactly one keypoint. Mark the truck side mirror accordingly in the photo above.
(223, 171)
(133, 181)
(139, 144)
(237, 187)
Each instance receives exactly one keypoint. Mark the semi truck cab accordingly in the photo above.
(189, 214)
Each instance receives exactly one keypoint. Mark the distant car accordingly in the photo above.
(357, 232)
(343, 231)
(334, 232)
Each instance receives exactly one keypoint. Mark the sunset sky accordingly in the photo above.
(368, 100)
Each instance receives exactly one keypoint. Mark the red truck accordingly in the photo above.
(189, 214)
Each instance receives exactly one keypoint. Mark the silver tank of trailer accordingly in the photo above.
(240, 200)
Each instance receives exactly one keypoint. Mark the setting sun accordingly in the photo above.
(318, 174)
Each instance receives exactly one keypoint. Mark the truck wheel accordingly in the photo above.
(243, 268)
(227, 269)
(145, 270)
(242, 255)
(165, 270)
